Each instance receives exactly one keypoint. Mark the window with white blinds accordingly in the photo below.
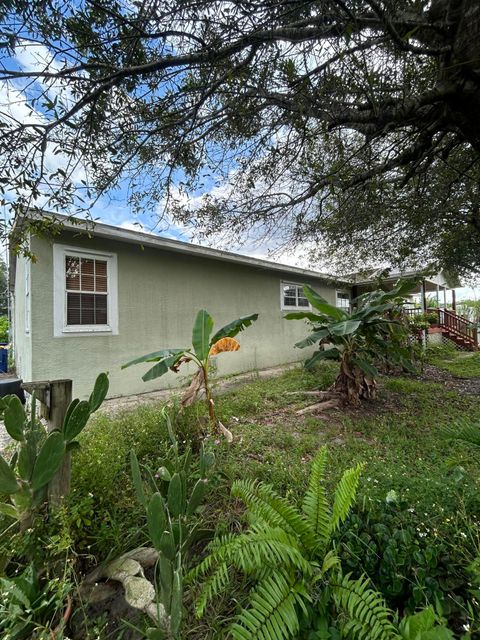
(85, 291)
(86, 286)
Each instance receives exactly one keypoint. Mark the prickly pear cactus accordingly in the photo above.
(179, 491)
(24, 480)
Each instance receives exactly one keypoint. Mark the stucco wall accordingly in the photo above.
(22, 341)
(159, 294)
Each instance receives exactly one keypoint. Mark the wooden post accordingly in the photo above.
(54, 396)
(424, 296)
(454, 301)
(424, 309)
(60, 398)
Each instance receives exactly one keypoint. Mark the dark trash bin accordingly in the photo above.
(3, 357)
(9, 386)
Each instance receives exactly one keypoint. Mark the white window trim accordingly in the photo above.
(285, 307)
(60, 328)
(28, 296)
(348, 293)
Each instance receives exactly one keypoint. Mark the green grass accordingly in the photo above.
(461, 364)
(396, 437)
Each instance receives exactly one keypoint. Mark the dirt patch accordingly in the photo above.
(467, 386)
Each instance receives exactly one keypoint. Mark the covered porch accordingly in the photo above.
(432, 290)
(430, 296)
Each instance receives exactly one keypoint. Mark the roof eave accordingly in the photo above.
(119, 234)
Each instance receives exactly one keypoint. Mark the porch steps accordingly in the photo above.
(459, 330)
(453, 327)
(462, 341)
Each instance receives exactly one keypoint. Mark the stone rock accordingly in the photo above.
(122, 568)
(119, 588)
(139, 592)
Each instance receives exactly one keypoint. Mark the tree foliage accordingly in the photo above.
(3, 288)
(353, 122)
(470, 309)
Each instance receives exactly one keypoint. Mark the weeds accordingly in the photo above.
(418, 497)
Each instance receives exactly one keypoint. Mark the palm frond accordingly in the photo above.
(219, 548)
(267, 506)
(345, 495)
(315, 504)
(272, 613)
(367, 616)
(215, 584)
(462, 431)
(257, 552)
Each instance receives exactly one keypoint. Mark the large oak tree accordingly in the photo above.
(352, 122)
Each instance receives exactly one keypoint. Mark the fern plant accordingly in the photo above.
(287, 553)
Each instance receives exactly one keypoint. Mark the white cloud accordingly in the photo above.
(31, 56)
(133, 226)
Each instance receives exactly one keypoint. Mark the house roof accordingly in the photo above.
(433, 277)
(119, 234)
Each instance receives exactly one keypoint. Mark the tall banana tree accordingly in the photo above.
(204, 347)
(374, 332)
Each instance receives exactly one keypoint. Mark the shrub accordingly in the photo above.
(423, 320)
(288, 555)
(373, 333)
(103, 497)
(4, 326)
(30, 606)
(101, 464)
(444, 349)
(408, 564)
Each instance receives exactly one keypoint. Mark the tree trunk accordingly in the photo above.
(354, 385)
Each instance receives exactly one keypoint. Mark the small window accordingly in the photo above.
(85, 292)
(293, 296)
(343, 300)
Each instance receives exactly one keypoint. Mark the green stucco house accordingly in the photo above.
(98, 296)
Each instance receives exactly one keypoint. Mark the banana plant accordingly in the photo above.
(37, 458)
(204, 347)
(171, 502)
(374, 332)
